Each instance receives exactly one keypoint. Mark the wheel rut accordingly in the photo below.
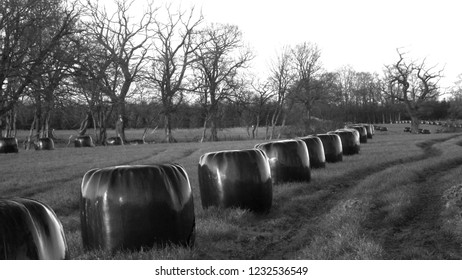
(297, 231)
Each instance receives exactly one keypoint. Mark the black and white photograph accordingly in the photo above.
(292, 133)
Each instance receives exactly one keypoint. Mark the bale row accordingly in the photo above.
(129, 207)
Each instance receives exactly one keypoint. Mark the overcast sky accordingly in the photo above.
(360, 33)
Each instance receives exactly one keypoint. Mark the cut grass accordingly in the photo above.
(385, 203)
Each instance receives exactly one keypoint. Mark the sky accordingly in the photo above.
(362, 34)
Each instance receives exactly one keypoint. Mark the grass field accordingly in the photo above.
(397, 199)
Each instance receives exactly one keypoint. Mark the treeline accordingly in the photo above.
(79, 65)
(143, 115)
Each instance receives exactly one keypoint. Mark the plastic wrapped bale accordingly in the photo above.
(8, 145)
(30, 230)
(369, 130)
(289, 160)
(350, 144)
(236, 179)
(44, 144)
(114, 141)
(83, 141)
(333, 149)
(315, 151)
(130, 207)
(362, 133)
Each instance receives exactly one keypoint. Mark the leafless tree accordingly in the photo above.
(280, 80)
(307, 68)
(92, 81)
(30, 32)
(261, 97)
(416, 83)
(174, 48)
(126, 41)
(221, 55)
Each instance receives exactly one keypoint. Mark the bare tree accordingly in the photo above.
(416, 83)
(92, 81)
(30, 31)
(280, 79)
(219, 60)
(126, 42)
(261, 97)
(307, 68)
(174, 49)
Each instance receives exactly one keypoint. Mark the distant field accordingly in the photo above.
(392, 201)
(181, 135)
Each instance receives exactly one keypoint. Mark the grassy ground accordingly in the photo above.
(397, 199)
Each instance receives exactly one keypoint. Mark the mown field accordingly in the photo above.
(397, 199)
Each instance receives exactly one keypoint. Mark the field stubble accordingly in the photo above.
(385, 203)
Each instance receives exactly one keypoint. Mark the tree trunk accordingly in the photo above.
(84, 124)
(29, 141)
(282, 126)
(415, 122)
(267, 126)
(213, 129)
(255, 128)
(38, 124)
(95, 128)
(102, 128)
(204, 131)
(121, 120)
(168, 130)
(15, 129)
(274, 121)
(46, 131)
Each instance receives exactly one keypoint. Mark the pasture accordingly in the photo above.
(394, 200)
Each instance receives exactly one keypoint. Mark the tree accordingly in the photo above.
(261, 97)
(280, 79)
(92, 80)
(30, 32)
(219, 59)
(173, 55)
(455, 107)
(416, 83)
(126, 43)
(307, 69)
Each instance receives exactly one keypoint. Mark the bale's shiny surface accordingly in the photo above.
(30, 230)
(114, 141)
(289, 160)
(8, 145)
(350, 141)
(315, 150)
(83, 141)
(129, 207)
(333, 149)
(369, 130)
(236, 179)
(362, 132)
(44, 144)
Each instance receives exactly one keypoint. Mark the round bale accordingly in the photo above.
(236, 179)
(369, 130)
(30, 230)
(362, 133)
(333, 149)
(289, 160)
(83, 141)
(315, 151)
(44, 144)
(8, 145)
(129, 207)
(350, 140)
